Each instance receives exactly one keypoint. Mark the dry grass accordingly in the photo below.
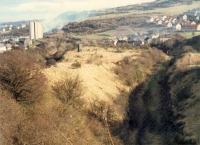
(187, 61)
(95, 59)
(69, 91)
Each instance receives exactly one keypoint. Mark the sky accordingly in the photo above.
(14, 10)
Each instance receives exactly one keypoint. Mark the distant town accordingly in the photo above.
(20, 35)
(162, 27)
(165, 26)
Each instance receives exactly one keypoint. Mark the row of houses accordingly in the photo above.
(7, 28)
(180, 23)
(21, 43)
(136, 39)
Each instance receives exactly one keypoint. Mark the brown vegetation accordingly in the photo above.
(133, 71)
(76, 64)
(69, 90)
(21, 76)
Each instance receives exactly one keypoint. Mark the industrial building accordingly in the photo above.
(36, 30)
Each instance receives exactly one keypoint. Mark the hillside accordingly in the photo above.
(92, 84)
(168, 106)
(159, 6)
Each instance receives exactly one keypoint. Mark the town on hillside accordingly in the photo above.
(155, 27)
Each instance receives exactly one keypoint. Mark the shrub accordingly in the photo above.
(134, 71)
(10, 116)
(129, 71)
(69, 90)
(21, 76)
(102, 111)
(76, 65)
(95, 59)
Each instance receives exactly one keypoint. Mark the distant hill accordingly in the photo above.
(67, 17)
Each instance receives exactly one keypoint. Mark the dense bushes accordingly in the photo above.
(21, 76)
(134, 71)
(69, 90)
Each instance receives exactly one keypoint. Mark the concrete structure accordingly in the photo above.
(178, 27)
(25, 43)
(36, 30)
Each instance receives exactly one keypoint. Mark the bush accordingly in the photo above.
(95, 59)
(21, 76)
(102, 111)
(134, 71)
(76, 65)
(69, 90)
(10, 116)
(129, 71)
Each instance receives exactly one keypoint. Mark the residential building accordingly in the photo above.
(185, 17)
(36, 30)
(193, 23)
(178, 27)
(169, 25)
(160, 22)
(152, 20)
(174, 20)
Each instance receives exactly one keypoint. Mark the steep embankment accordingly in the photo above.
(164, 109)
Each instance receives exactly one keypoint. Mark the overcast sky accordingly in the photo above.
(12, 10)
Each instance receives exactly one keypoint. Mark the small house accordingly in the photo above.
(185, 17)
(155, 36)
(151, 19)
(160, 22)
(193, 23)
(169, 25)
(174, 21)
(178, 27)
(164, 17)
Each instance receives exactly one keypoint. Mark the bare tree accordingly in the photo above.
(21, 76)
